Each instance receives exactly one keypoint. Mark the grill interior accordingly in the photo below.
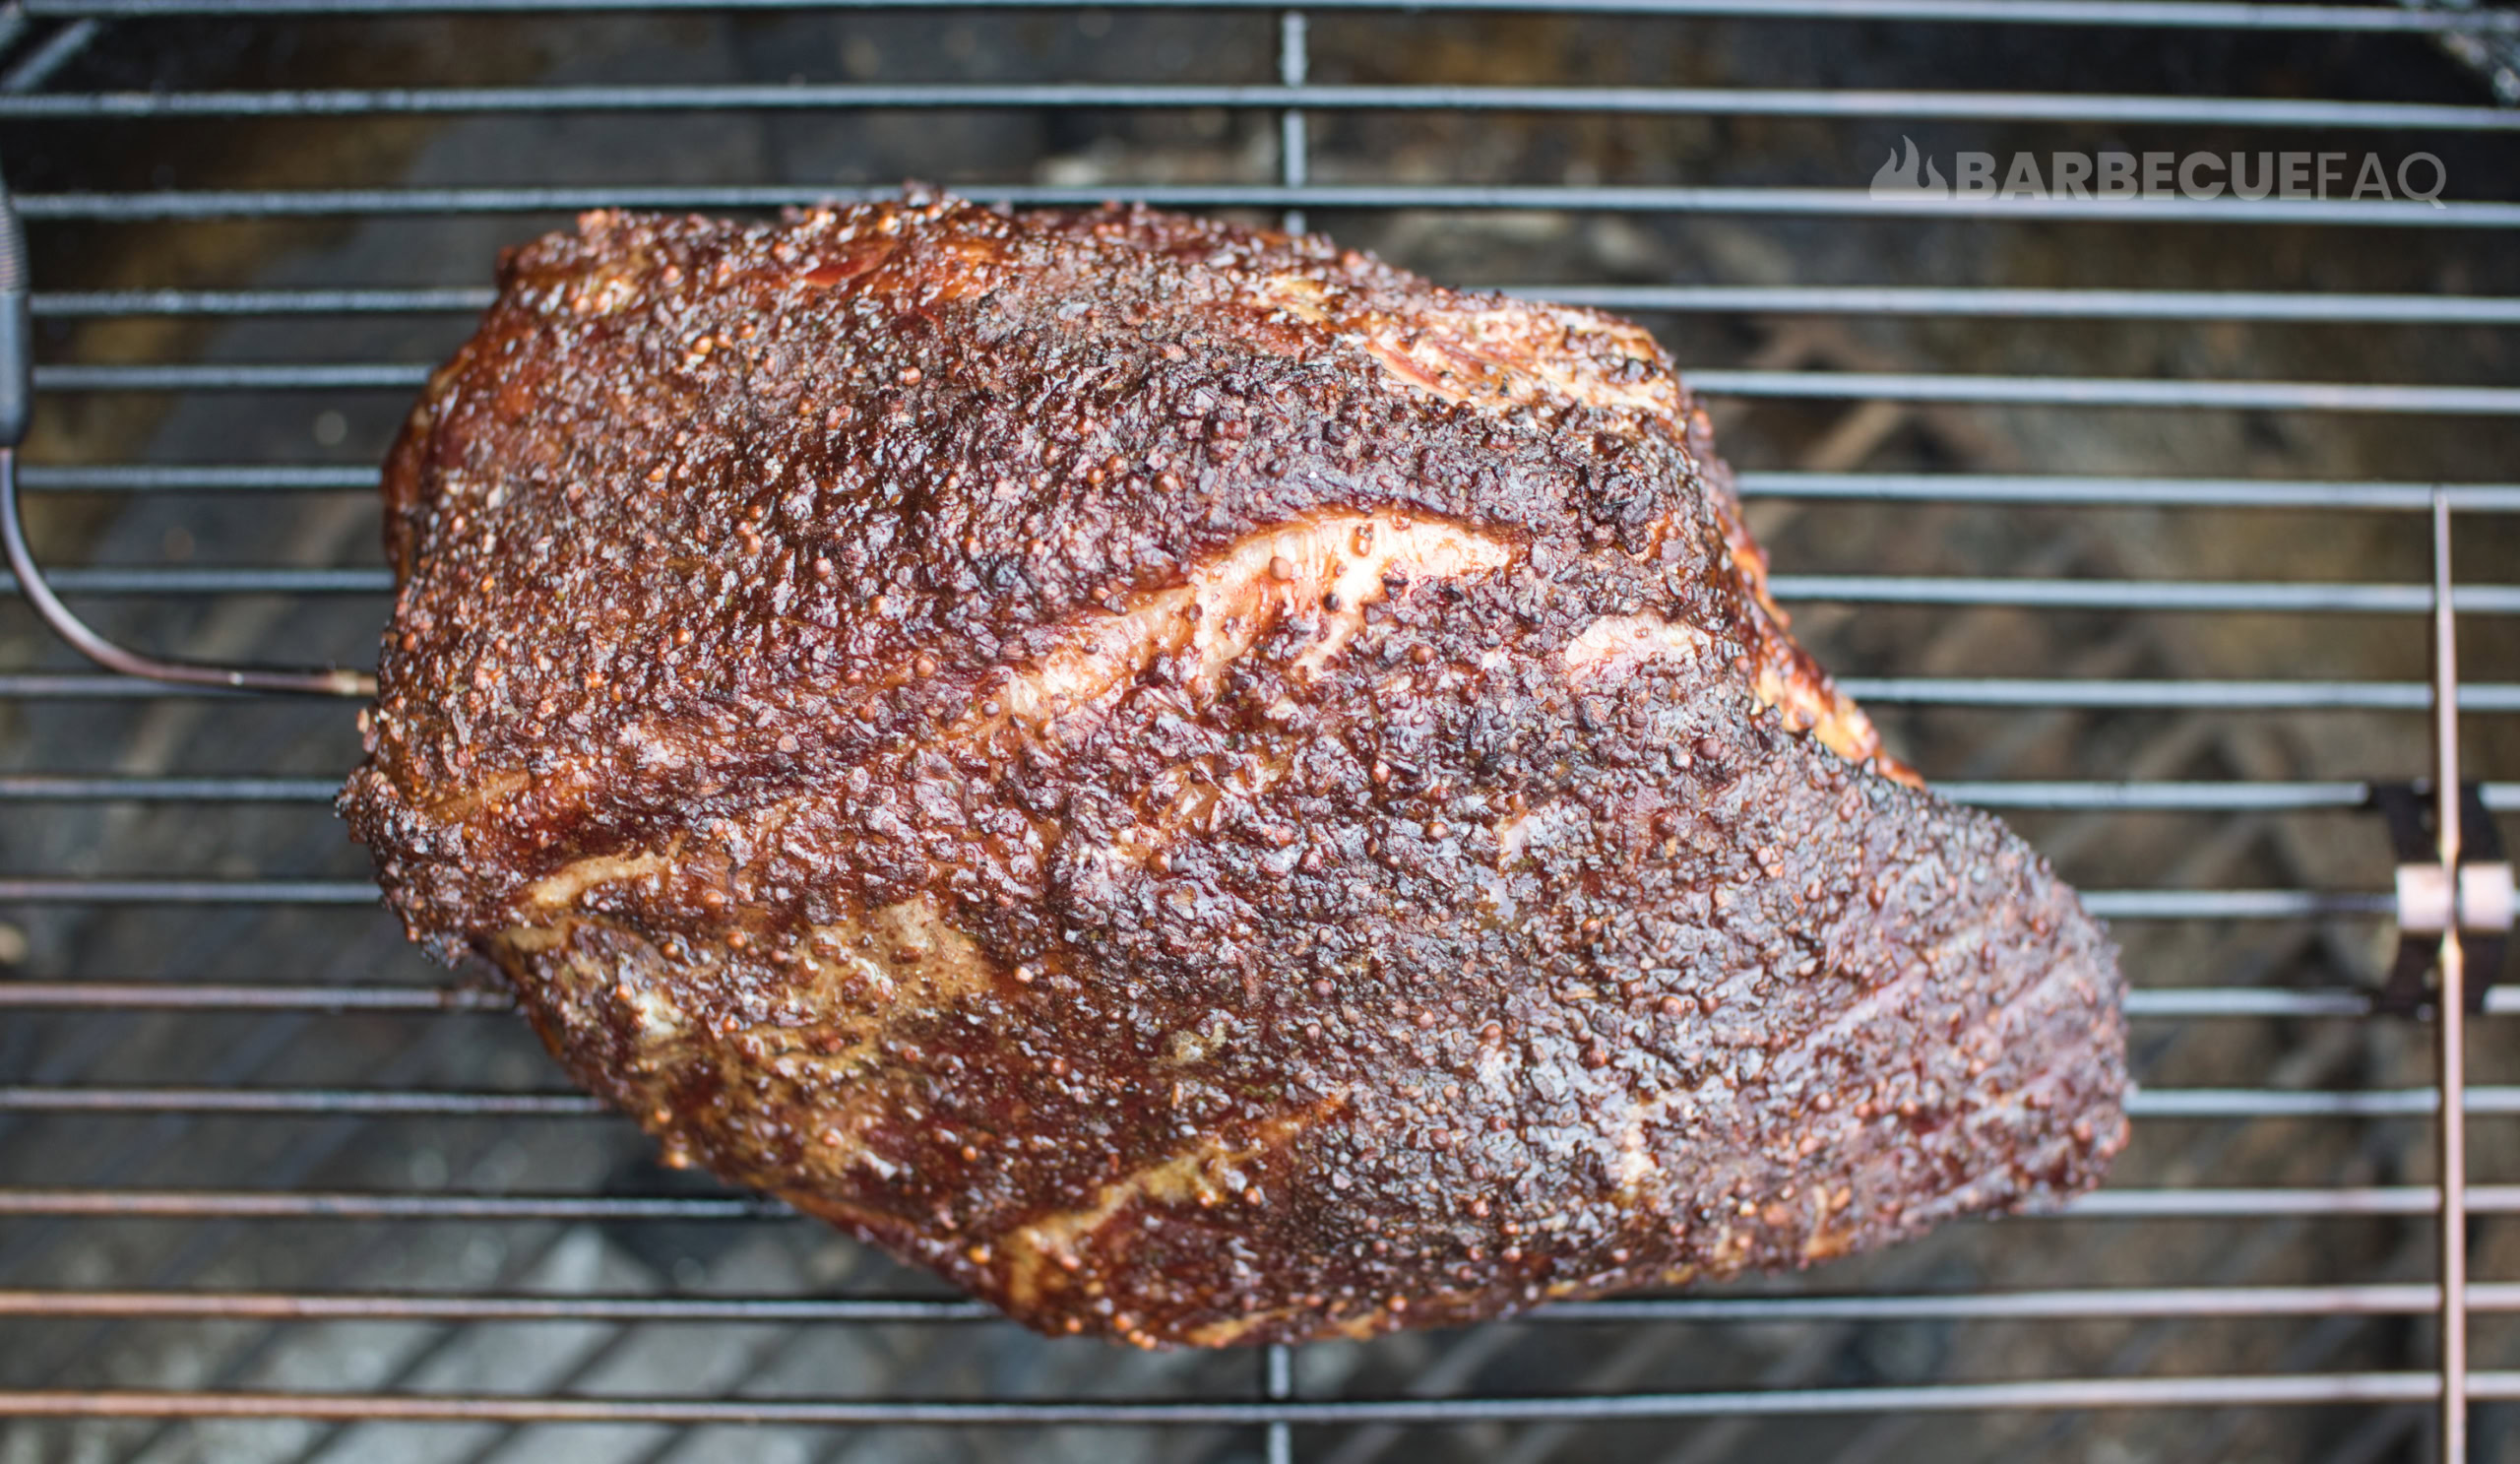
(2115, 515)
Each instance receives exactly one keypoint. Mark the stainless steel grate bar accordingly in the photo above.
(204, 996)
(2182, 1004)
(1294, 128)
(2098, 391)
(418, 301)
(2270, 1103)
(2214, 15)
(2451, 1017)
(2148, 595)
(1277, 1384)
(2165, 1102)
(2203, 695)
(166, 1204)
(1988, 301)
(2263, 1390)
(40, 788)
(1605, 197)
(2088, 797)
(57, 51)
(378, 1103)
(198, 478)
(2124, 905)
(1952, 691)
(155, 579)
(2156, 1003)
(1291, 92)
(289, 376)
(2367, 1298)
(390, 1306)
(190, 891)
(84, 685)
(1831, 299)
(2064, 391)
(1936, 590)
(2057, 490)
(2218, 797)
(2185, 1203)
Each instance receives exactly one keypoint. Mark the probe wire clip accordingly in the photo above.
(17, 399)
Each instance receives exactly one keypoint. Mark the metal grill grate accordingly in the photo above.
(268, 1186)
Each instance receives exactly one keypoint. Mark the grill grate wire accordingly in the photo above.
(1275, 1408)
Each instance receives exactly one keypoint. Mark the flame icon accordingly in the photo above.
(1912, 175)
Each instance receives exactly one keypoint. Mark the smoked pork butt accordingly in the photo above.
(1204, 786)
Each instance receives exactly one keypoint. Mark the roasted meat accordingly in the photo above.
(1205, 787)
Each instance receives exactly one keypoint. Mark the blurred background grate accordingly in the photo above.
(2115, 514)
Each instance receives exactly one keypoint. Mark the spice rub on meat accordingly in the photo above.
(1205, 787)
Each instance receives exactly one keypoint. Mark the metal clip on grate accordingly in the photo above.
(2470, 903)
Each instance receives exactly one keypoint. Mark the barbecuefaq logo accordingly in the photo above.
(1909, 174)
